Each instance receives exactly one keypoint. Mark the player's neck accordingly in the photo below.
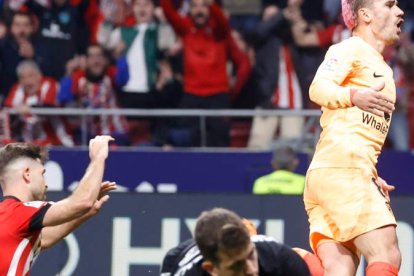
(369, 37)
(22, 195)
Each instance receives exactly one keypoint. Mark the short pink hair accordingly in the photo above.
(349, 14)
(350, 11)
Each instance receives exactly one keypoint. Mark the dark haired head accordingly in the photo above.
(220, 230)
(284, 158)
(14, 151)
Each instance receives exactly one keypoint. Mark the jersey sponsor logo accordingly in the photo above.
(377, 75)
(370, 120)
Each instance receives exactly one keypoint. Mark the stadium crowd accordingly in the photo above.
(203, 54)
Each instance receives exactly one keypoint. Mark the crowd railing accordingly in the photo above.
(311, 116)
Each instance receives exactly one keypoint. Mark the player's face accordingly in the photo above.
(241, 264)
(387, 20)
(38, 185)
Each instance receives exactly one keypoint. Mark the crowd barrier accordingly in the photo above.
(202, 114)
(134, 231)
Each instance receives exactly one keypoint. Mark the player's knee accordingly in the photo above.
(391, 255)
(394, 256)
(337, 266)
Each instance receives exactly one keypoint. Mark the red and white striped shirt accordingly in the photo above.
(99, 94)
(20, 233)
(50, 130)
(288, 93)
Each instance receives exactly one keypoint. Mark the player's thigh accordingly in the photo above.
(337, 195)
(379, 245)
(337, 259)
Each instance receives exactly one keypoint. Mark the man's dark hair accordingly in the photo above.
(14, 151)
(284, 157)
(220, 230)
(20, 13)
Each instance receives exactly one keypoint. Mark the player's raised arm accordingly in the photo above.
(53, 234)
(85, 195)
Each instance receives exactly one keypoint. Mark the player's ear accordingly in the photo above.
(208, 266)
(26, 174)
(365, 15)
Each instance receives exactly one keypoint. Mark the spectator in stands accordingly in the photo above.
(168, 42)
(245, 97)
(313, 39)
(139, 67)
(283, 180)
(112, 14)
(93, 87)
(204, 33)
(138, 57)
(16, 46)
(278, 83)
(225, 246)
(241, 62)
(35, 90)
(306, 35)
(173, 134)
(62, 33)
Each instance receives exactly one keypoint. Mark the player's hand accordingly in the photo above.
(99, 147)
(97, 206)
(385, 187)
(106, 187)
(370, 100)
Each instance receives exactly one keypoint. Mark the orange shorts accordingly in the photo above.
(343, 203)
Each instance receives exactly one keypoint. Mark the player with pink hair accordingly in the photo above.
(346, 201)
(348, 14)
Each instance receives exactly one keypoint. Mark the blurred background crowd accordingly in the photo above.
(177, 54)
